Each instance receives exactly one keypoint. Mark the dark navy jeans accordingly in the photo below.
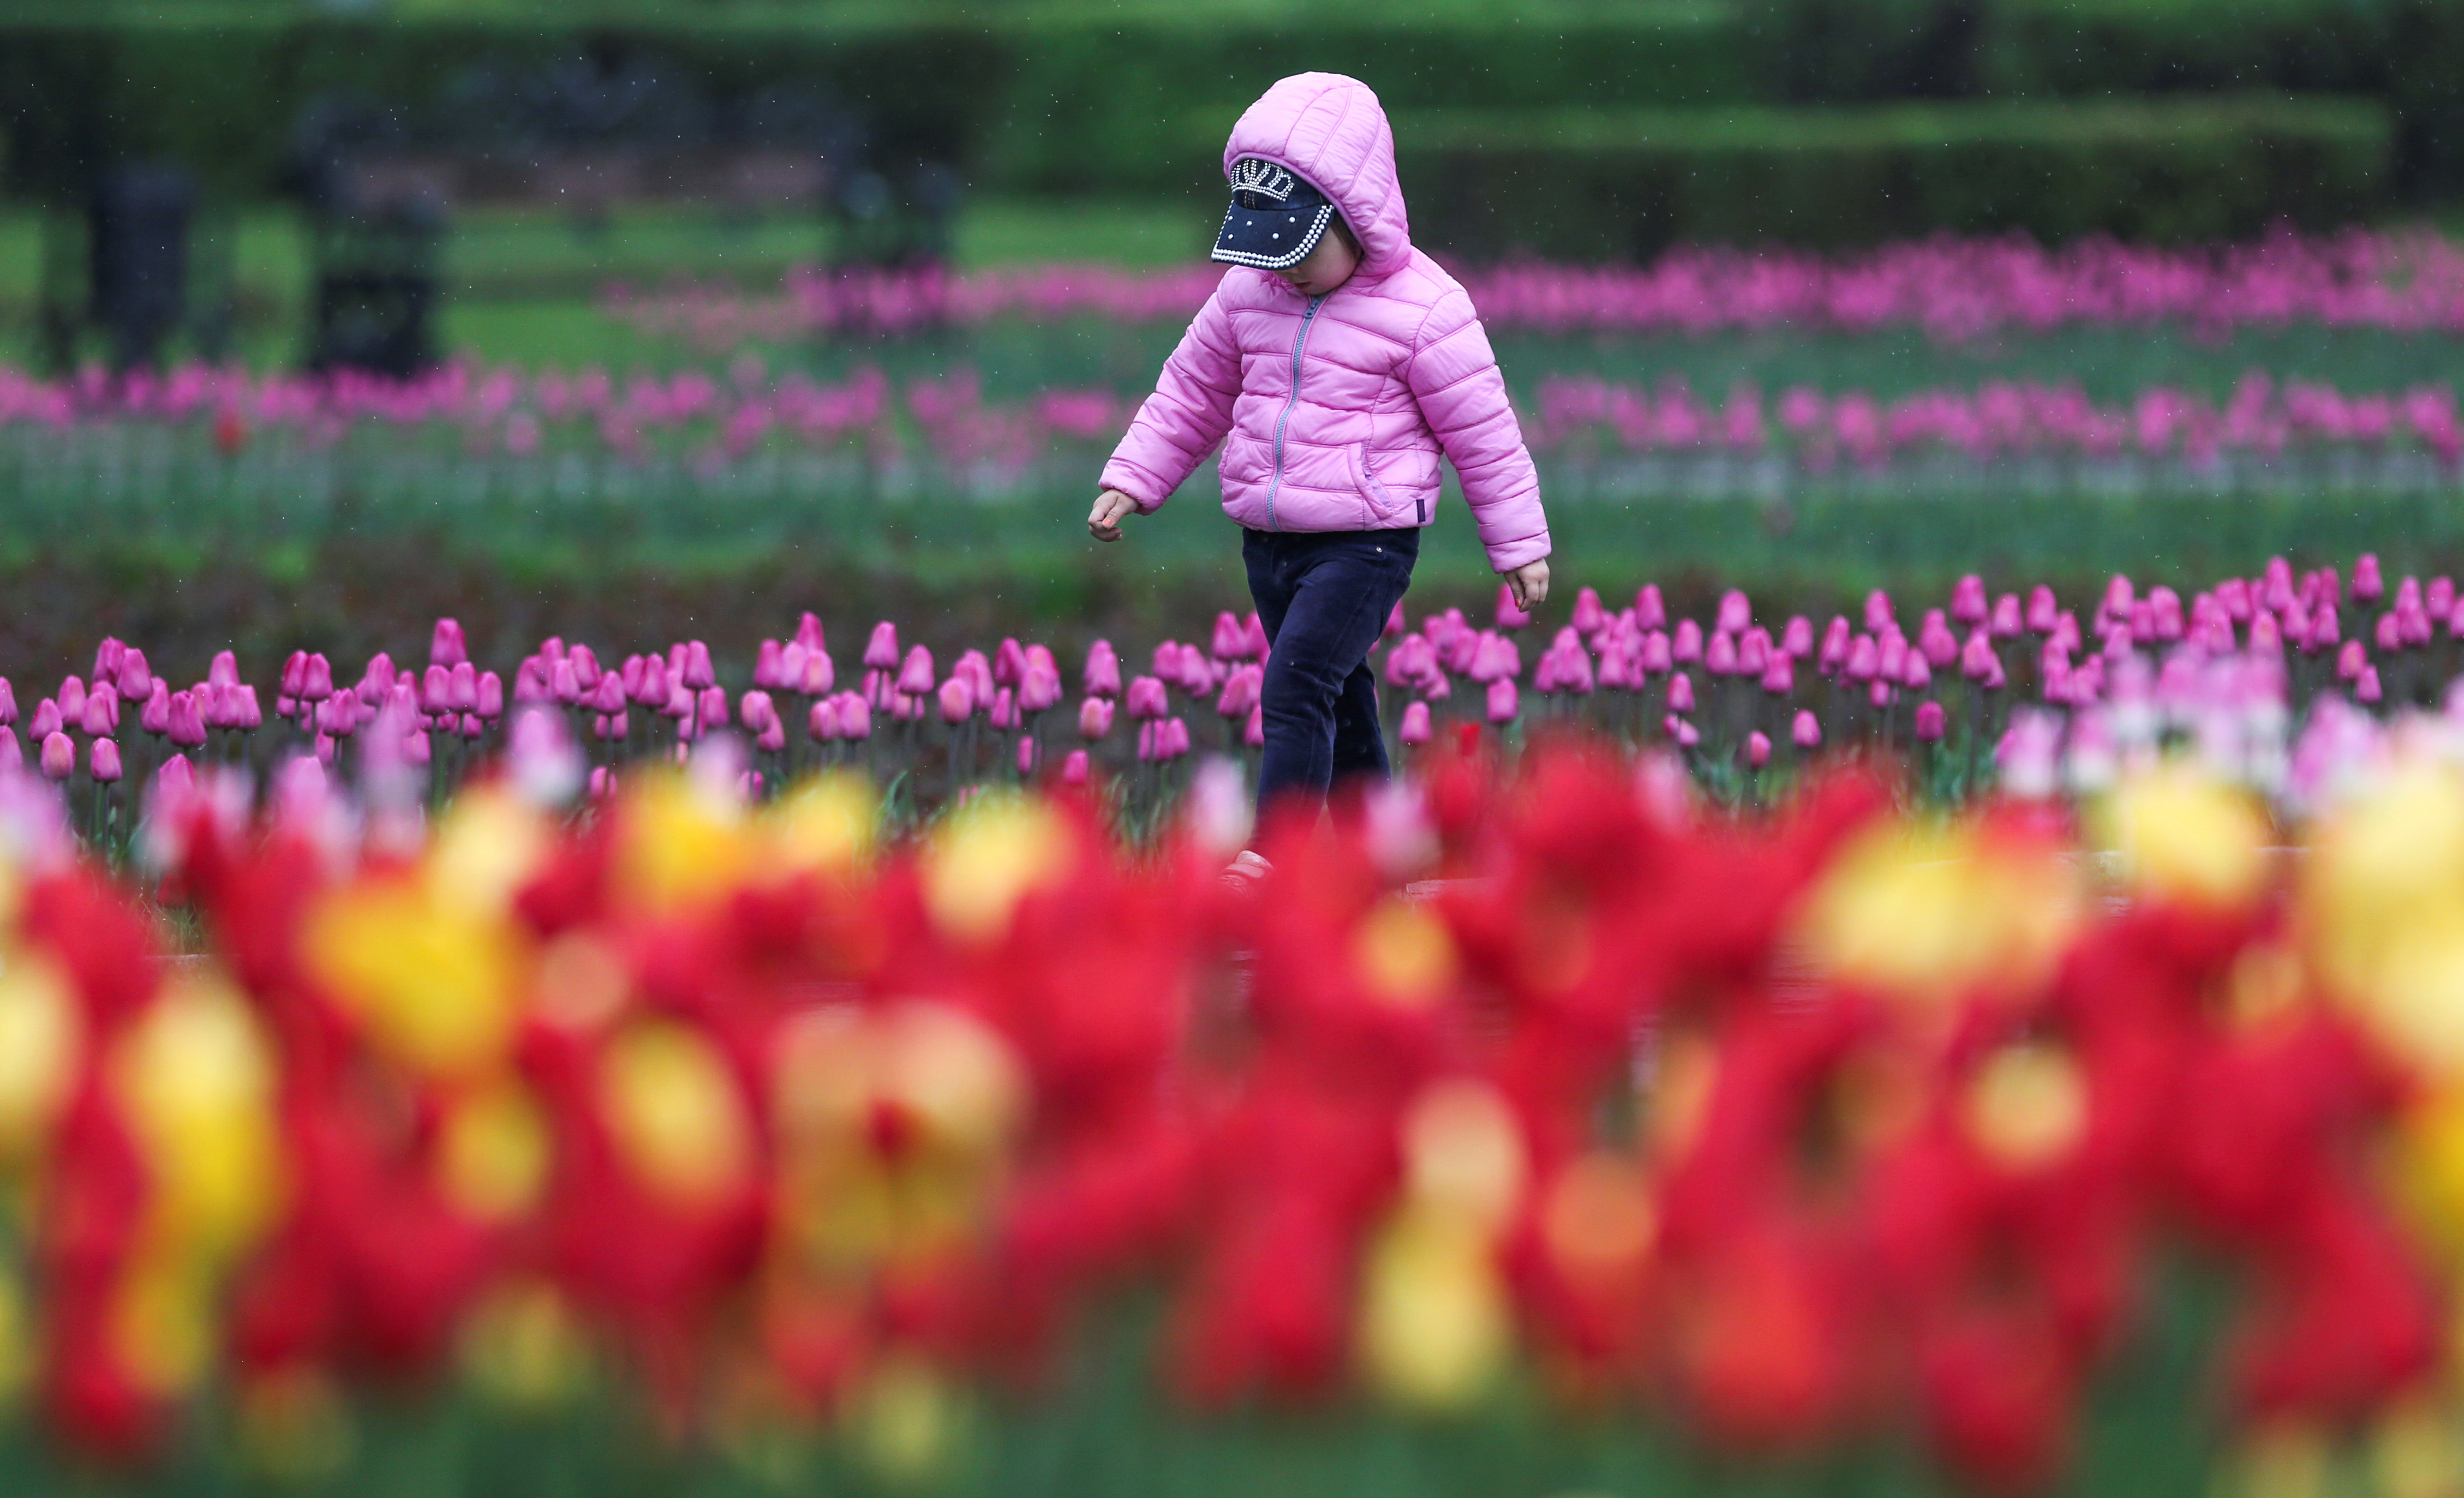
(1323, 597)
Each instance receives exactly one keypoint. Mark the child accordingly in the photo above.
(1333, 364)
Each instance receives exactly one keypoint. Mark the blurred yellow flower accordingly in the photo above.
(677, 1116)
(41, 1038)
(986, 857)
(826, 825)
(493, 1157)
(2187, 837)
(678, 843)
(523, 1347)
(2028, 1106)
(1404, 953)
(435, 980)
(1929, 914)
(196, 1076)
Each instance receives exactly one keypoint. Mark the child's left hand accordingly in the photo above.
(1112, 508)
(1530, 584)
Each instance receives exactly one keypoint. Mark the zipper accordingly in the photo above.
(1300, 340)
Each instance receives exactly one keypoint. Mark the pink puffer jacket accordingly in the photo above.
(1332, 410)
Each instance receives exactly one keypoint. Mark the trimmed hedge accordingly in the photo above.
(1576, 127)
(1594, 186)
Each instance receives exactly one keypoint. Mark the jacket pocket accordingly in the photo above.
(1383, 507)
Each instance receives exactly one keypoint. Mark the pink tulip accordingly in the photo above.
(808, 633)
(1004, 709)
(915, 678)
(491, 693)
(823, 722)
(1680, 693)
(1094, 717)
(222, 671)
(1102, 677)
(2365, 689)
(1968, 604)
(12, 756)
(104, 761)
(1010, 662)
(177, 778)
(2368, 584)
(1779, 678)
(1416, 729)
(71, 698)
(768, 668)
(1656, 655)
(315, 679)
(1038, 689)
(1805, 730)
(1253, 733)
(1395, 622)
(1027, 757)
(1589, 616)
(1914, 673)
(1929, 722)
(957, 700)
(881, 653)
(1503, 702)
(134, 682)
(1835, 637)
(698, 674)
(445, 646)
(855, 716)
(188, 720)
(818, 675)
(1073, 767)
(7, 702)
(2350, 661)
(1935, 640)
(1147, 699)
(710, 708)
(1685, 643)
(1241, 689)
(1685, 734)
(48, 720)
(1758, 749)
(155, 715)
(1508, 615)
(757, 710)
(1650, 610)
(1797, 638)
(1976, 658)
(1879, 616)
(59, 756)
(1720, 656)
(1735, 614)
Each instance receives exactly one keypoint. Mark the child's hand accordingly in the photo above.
(1112, 507)
(1531, 584)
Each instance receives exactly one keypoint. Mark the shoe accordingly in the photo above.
(1245, 873)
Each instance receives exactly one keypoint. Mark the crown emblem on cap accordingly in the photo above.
(1270, 185)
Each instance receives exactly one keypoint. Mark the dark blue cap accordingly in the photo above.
(1275, 219)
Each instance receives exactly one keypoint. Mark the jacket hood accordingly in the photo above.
(1332, 130)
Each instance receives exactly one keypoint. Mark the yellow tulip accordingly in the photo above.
(676, 1114)
(987, 856)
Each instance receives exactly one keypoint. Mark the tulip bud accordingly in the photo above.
(1779, 678)
(1253, 733)
(1878, 611)
(1685, 643)
(104, 761)
(1026, 757)
(315, 679)
(1686, 735)
(818, 677)
(462, 685)
(916, 676)
(59, 756)
(1004, 709)
(699, 673)
(881, 653)
(1806, 732)
(1416, 729)
(71, 698)
(563, 686)
(1758, 749)
(1720, 656)
(1976, 658)
(808, 632)
(1102, 677)
(1073, 768)
(757, 710)
(7, 702)
(1650, 610)
(855, 716)
(445, 646)
(1797, 638)
(1915, 675)
(1929, 722)
(823, 722)
(1094, 717)
(102, 717)
(2366, 689)
(1509, 615)
(957, 700)
(768, 666)
(48, 720)
(710, 708)
(1503, 702)
(1147, 699)
(2006, 618)
(2368, 584)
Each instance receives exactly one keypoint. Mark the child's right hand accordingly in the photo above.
(1112, 507)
